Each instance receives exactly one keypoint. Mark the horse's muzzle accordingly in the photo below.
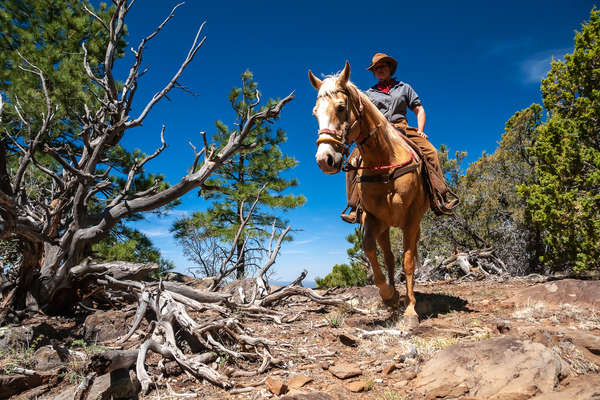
(329, 160)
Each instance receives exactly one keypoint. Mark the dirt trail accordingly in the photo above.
(326, 341)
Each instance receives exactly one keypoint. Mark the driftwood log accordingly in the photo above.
(474, 265)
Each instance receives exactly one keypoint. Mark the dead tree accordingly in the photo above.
(58, 224)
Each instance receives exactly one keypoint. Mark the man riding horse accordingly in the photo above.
(392, 98)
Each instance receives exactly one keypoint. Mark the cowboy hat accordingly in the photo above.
(382, 57)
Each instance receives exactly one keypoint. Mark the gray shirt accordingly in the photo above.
(393, 104)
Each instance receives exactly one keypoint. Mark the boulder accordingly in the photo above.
(498, 368)
(576, 292)
(47, 358)
(105, 325)
(24, 336)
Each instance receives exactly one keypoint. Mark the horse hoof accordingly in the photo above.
(411, 321)
(392, 302)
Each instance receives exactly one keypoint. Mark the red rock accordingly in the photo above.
(345, 371)
(275, 386)
(389, 369)
(297, 381)
(357, 386)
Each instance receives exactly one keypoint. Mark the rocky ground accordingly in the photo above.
(517, 339)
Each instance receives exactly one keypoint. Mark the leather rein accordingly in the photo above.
(338, 137)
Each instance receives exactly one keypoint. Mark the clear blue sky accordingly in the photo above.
(472, 64)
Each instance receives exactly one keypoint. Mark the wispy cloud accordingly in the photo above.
(156, 232)
(535, 67)
(293, 251)
(504, 47)
(301, 242)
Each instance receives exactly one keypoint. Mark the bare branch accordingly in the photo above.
(192, 52)
(96, 17)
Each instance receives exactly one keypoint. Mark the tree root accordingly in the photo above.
(220, 333)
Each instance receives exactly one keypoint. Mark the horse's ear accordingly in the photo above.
(316, 82)
(344, 76)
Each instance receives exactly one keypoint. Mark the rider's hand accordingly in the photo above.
(422, 134)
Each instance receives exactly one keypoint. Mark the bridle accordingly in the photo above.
(339, 137)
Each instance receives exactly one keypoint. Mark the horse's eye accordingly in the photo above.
(340, 108)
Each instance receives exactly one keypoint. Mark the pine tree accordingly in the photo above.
(49, 34)
(565, 203)
(235, 186)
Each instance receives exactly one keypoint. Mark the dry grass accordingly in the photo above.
(430, 345)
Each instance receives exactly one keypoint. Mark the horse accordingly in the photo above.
(391, 185)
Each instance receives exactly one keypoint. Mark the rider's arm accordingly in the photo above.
(420, 113)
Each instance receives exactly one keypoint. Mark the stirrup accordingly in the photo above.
(448, 207)
(352, 217)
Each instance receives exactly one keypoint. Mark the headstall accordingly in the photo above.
(338, 137)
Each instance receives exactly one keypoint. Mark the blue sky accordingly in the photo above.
(472, 64)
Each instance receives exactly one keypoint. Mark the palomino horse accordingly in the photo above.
(390, 185)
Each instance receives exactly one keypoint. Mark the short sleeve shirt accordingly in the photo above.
(393, 104)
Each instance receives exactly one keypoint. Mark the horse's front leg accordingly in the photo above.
(384, 242)
(373, 229)
(411, 238)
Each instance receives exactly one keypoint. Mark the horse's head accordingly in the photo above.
(337, 110)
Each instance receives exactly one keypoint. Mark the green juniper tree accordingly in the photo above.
(235, 186)
(356, 273)
(565, 202)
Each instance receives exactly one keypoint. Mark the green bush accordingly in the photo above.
(344, 275)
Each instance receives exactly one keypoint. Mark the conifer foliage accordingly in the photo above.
(235, 186)
(565, 203)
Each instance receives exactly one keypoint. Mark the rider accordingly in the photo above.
(392, 97)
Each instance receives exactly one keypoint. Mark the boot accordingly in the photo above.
(451, 201)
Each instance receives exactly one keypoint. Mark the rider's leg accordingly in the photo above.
(436, 175)
(351, 191)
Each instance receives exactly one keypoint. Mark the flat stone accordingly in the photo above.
(308, 396)
(356, 386)
(348, 340)
(297, 381)
(275, 386)
(345, 371)
(584, 387)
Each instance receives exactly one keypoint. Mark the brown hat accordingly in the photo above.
(381, 57)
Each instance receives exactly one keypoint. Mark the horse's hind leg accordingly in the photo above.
(373, 229)
(384, 242)
(411, 237)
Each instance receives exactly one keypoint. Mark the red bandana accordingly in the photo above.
(386, 86)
